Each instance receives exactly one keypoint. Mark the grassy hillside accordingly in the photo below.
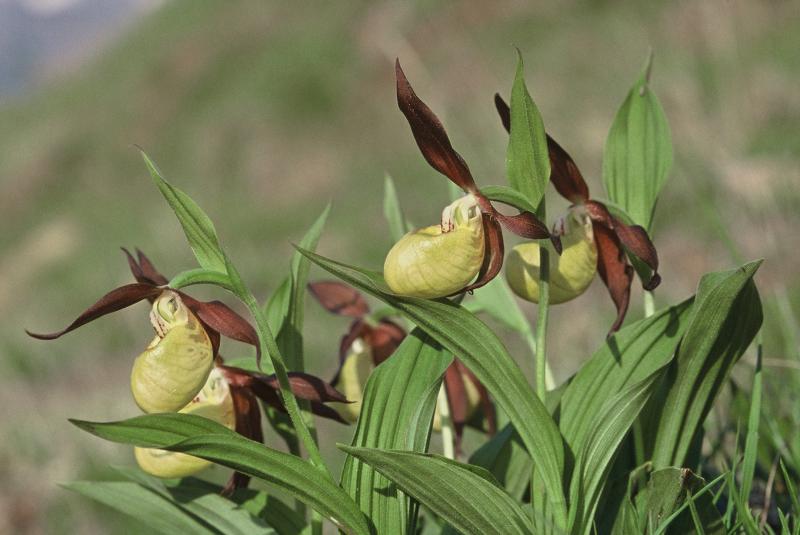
(263, 112)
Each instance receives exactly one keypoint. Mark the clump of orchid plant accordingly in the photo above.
(613, 449)
(181, 370)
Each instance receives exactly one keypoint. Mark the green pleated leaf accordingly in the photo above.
(496, 300)
(466, 496)
(505, 457)
(153, 510)
(279, 516)
(209, 440)
(463, 334)
(527, 159)
(396, 413)
(196, 224)
(398, 225)
(726, 316)
(599, 448)
(221, 514)
(626, 358)
(638, 152)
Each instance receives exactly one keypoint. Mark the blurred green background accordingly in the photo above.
(265, 111)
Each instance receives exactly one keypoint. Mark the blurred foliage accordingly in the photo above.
(264, 112)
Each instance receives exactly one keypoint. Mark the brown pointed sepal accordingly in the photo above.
(219, 317)
(615, 272)
(115, 300)
(248, 424)
(633, 237)
(143, 270)
(303, 385)
(430, 135)
(339, 298)
(493, 255)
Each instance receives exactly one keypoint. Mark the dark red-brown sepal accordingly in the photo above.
(143, 270)
(494, 250)
(614, 270)
(220, 318)
(384, 339)
(248, 424)
(633, 237)
(115, 300)
(339, 298)
(457, 401)
(303, 385)
(430, 135)
(527, 225)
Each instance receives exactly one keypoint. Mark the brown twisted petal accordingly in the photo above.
(219, 317)
(493, 256)
(430, 135)
(143, 270)
(614, 271)
(457, 400)
(248, 424)
(116, 299)
(384, 339)
(358, 329)
(527, 225)
(339, 298)
(633, 237)
(564, 173)
(303, 385)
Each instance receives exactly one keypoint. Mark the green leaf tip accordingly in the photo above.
(527, 157)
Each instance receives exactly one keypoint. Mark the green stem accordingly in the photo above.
(549, 379)
(268, 345)
(649, 304)
(448, 431)
(638, 433)
(541, 320)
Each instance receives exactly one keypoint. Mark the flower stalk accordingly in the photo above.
(269, 346)
(541, 320)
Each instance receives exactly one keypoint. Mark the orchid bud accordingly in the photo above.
(439, 260)
(357, 366)
(213, 402)
(176, 364)
(570, 273)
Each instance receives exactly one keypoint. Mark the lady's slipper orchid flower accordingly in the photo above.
(611, 236)
(465, 251)
(369, 342)
(187, 347)
(213, 402)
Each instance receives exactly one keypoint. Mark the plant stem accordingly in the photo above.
(638, 433)
(549, 379)
(268, 345)
(649, 304)
(446, 422)
(541, 320)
